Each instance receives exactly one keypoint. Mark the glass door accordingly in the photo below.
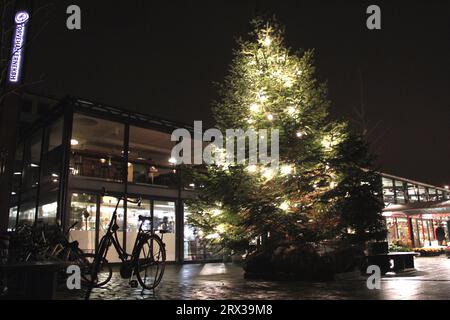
(164, 219)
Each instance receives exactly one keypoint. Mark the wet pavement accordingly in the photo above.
(430, 280)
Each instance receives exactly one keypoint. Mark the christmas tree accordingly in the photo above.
(270, 87)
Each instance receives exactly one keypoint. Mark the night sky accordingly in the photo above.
(163, 57)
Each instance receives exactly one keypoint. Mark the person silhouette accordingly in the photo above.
(440, 235)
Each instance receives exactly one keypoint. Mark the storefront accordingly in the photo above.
(79, 148)
(414, 211)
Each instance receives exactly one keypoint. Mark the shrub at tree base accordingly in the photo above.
(303, 262)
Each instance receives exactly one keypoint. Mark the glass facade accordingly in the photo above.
(398, 191)
(50, 172)
(30, 178)
(149, 155)
(97, 148)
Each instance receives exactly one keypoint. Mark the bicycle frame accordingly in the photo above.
(112, 238)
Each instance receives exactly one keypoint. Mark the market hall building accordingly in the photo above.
(414, 211)
(70, 149)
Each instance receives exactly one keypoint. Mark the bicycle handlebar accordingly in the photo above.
(104, 192)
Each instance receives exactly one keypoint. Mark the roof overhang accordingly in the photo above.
(418, 208)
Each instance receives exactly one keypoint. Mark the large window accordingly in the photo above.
(16, 187)
(107, 206)
(133, 213)
(400, 192)
(403, 231)
(164, 219)
(196, 247)
(30, 179)
(50, 172)
(12, 218)
(149, 157)
(432, 194)
(423, 194)
(388, 191)
(97, 148)
(413, 192)
(83, 216)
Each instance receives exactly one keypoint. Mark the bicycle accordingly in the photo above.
(147, 259)
(70, 253)
(44, 242)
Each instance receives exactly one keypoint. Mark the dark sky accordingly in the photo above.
(162, 58)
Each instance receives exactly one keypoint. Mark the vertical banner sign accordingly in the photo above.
(18, 46)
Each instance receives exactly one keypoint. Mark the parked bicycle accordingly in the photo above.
(70, 253)
(147, 259)
(47, 242)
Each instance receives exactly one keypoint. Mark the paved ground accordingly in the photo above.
(431, 280)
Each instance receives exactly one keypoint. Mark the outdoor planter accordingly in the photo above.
(429, 252)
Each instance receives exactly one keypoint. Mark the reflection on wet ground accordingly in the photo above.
(430, 280)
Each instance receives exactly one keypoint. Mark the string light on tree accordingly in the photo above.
(286, 169)
(254, 108)
(285, 206)
(267, 41)
(291, 110)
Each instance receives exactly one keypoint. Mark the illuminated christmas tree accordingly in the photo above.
(271, 87)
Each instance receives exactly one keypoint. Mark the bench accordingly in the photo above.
(400, 261)
(31, 280)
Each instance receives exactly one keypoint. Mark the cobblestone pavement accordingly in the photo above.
(430, 280)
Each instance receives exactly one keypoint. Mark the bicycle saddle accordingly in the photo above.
(142, 218)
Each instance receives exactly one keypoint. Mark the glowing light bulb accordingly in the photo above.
(285, 206)
(286, 169)
(221, 228)
(268, 173)
(254, 108)
(300, 134)
(291, 110)
(288, 84)
(173, 161)
(270, 117)
(267, 41)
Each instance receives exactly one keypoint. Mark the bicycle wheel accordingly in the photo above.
(151, 263)
(99, 272)
(85, 262)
